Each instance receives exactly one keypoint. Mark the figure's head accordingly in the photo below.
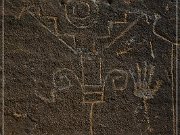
(81, 13)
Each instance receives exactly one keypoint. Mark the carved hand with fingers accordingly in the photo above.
(143, 87)
(143, 82)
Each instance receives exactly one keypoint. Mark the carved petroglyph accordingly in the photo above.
(52, 22)
(54, 34)
(119, 82)
(125, 51)
(113, 110)
(115, 83)
(116, 80)
(78, 7)
(143, 87)
(95, 88)
(124, 20)
(21, 13)
(60, 82)
(68, 72)
(157, 18)
(92, 71)
(122, 33)
(79, 19)
(119, 79)
(91, 119)
(113, 23)
(67, 99)
(50, 99)
(152, 51)
(126, 47)
(92, 82)
(72, 16)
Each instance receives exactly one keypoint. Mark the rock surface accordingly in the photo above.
(89, 67)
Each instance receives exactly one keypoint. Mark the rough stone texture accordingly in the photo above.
(89, 67)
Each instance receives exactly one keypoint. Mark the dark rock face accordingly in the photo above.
(90, 67)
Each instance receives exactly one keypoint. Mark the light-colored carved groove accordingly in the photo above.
(91, 120)
(157, 18)
(75, 52)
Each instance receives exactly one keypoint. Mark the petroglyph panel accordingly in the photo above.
(89, 67)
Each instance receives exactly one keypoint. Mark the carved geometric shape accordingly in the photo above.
(93, 97)
(93, 88)
(62, 82)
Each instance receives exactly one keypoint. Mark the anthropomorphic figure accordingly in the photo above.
(104, 72)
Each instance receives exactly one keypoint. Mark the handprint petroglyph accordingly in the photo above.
(143, 82)
(143, 87)
(82, 38)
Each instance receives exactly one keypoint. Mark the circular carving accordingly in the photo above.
(81, 14)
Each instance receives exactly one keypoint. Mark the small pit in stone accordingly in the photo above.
(110, 1)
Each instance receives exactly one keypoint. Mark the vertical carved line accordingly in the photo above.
(172, 89)
(177, 41)
(100, 66)
(91, 119)
(146, 114)
(82, 70)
